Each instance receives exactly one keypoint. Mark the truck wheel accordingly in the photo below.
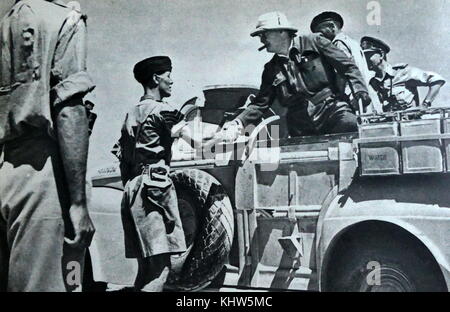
(207, 216)
(384, 266)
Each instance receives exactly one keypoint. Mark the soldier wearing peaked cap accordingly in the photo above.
(330, 25)
(397, 85)
(150, 216)
(44, 219)
(302, 76)
(371, 42)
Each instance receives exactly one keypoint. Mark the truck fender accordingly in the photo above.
(326, 242)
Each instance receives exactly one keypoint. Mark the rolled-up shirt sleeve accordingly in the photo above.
(69, 73)
(422, 77)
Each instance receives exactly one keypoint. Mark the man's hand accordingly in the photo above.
(426, 104)
(364, 96)
(82, 225)
(250, 100)
(231, 131)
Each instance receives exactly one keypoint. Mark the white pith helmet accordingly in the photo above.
(272, 21)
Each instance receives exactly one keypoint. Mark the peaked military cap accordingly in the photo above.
(371, 42)
(145, 69)
(326, 16)
(371, 51)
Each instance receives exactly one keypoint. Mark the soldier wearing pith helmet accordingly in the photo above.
(273, 21)
(309, 95)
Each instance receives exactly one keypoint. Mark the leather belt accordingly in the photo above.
(155, 170)
(322, 96)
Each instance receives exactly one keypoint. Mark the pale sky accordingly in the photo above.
(209, 43)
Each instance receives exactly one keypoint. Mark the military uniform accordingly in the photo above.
(150, 215)
(43, 64)
(397, 89)
(352, 49)
(305, 83)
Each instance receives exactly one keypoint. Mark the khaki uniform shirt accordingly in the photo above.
(400, 82)
(146, 136)
(150, 215)
(42, 64)
(353, 50)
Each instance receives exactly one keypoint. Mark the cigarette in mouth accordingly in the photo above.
(262, 48)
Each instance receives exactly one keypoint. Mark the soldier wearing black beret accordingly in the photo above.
(144, 70)
(150, 216)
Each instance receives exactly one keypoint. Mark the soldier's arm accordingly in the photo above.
(430, 79)
(433, 91)
(70, 83)
(73, 139)
(343, 64)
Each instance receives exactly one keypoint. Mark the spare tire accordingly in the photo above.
(207, 216)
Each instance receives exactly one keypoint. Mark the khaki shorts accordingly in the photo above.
(151, 219)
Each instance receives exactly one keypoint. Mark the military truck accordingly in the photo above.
(366, 211)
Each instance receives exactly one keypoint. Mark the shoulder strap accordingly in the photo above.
(138, 132)
(400, 66)
(345, 45)
(139, 129)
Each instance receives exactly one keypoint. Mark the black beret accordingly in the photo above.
(326, 16)
(144, 70)
(370, 42)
